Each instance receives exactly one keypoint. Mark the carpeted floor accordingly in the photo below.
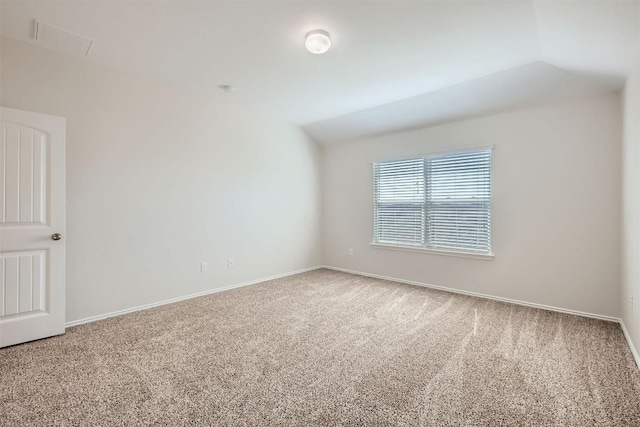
(326, 348)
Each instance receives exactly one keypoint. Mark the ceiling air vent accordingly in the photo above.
(62, 41)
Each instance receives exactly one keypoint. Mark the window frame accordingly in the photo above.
(432, 249)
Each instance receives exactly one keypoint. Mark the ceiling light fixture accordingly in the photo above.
(317, 41)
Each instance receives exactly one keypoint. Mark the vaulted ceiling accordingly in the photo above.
(383, 51)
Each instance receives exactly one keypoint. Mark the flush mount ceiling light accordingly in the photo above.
(317, 41)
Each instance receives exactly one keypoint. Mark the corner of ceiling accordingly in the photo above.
(536, 21)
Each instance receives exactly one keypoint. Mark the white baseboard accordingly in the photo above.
(476, 294)
(182, 298)
(634, 351)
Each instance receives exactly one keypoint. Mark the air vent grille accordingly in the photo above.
(62, 41)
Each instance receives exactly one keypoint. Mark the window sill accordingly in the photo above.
(486, 257)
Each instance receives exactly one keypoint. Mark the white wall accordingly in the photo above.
(631, 210)
(556, 210)
(159, 180)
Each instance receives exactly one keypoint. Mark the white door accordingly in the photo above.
(32, 217)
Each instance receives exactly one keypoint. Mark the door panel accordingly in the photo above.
(24, 172)
(23, 282)
(32, 208)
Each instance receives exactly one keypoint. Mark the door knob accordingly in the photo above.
(56, 236)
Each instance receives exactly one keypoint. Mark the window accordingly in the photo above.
(440, 202)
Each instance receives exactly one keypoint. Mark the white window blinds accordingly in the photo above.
(399, 202)
(437, 202)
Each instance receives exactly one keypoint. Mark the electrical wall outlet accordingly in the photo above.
(230, 263)
(350, 251)
(204, 267)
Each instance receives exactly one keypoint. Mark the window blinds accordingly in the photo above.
(399, 202)
(438, 202)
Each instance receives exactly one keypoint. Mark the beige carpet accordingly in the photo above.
(326, 348)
